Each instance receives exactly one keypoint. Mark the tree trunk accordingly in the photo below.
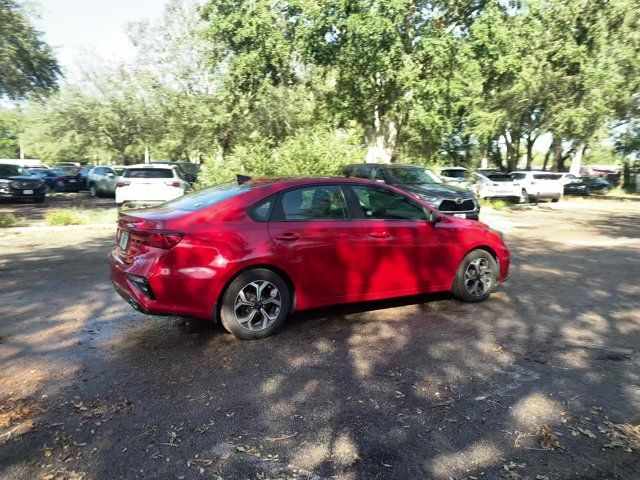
(383, 139)
(530, 142)
(512, 155)
(576, 162)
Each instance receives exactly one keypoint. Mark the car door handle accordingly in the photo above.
(288, 236)
(378, 234)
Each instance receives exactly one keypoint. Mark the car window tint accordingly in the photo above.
(377, 173)
(545, 176)
(518, 176)
(261, 211)
(348, 171)
(324, 202)
(209, 196)
(363, 171)
(500, 177)
(148, 173)
(383, 204)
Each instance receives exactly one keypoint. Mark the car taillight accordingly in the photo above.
(173, 184)
(122, 184)
(163, 240)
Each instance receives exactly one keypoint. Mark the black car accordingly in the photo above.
(596, 184)
(16, 183)
(82, 176)
(421, 182)
(576, 188)
(57, 180)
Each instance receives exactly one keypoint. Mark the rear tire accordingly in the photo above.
(93, 191)
(555, 200)
(255, 304)
(476, 277)
(524, 197)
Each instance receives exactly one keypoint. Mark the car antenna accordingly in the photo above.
(242, 179)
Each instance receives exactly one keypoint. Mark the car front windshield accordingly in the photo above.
(414, 176)
(7, 170)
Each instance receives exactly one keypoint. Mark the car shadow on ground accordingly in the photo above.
(423, 387)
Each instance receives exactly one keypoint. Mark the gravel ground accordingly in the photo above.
(535, 383)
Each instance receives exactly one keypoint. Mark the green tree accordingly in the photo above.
(27, 64)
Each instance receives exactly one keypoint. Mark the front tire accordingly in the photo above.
(524, 197)
(476, 277)
(255, 304)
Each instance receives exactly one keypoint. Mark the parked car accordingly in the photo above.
(17, 183)
(576, 187)
(83, 176)
(249, 253)
(596, 184)
(422, 183)
(494, 185)
(455, 176)
(102, 180)
(187, 170)
(149, 184)
(56, 180)
(536, 186)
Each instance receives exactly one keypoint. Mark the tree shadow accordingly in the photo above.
(418, 387)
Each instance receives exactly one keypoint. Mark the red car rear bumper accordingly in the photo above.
(163, 297)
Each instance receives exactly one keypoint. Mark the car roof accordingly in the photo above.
(151, 165)
(288, 182)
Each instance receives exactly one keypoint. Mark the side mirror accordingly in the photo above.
(432, 217)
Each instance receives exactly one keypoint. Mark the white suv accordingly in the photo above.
(150, 184)
(535, 186)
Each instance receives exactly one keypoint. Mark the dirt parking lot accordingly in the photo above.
(541, 382)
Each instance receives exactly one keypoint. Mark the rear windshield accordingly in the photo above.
(207, 197)
(148, 173)
(499, 177)
(454, 173)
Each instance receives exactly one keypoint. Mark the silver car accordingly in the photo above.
(102, 180)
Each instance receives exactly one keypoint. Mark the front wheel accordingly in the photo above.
(476, 277)
(255, 304)
(93, 191)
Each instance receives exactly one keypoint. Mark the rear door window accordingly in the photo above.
(322, 202)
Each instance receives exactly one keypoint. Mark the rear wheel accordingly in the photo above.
(476, 277)
(555, 200)
(93, 191)
(255, 304)
(524, 197)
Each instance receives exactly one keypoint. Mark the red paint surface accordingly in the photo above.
(327, 262)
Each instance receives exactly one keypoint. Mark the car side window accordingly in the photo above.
(348, 171)
(322, 202)
(261, 211)
(383, 204)
(363, 171)
(377, 173)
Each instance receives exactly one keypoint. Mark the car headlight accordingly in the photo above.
(428, 198)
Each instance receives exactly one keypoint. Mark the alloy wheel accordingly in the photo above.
(257, 305)
(478, 277)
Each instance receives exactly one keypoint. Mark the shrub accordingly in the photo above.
(7, 220)
(64, 217)
(312, 151)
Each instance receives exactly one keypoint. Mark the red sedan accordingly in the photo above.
(250, 253)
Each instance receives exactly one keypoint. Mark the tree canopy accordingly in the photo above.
(301, 86)
(27, 63)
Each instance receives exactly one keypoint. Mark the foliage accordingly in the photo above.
(304, 86)
(10, 129)
(27, 63)
(7, 220)
(312, 151)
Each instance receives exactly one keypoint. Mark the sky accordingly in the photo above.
(76, 29)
